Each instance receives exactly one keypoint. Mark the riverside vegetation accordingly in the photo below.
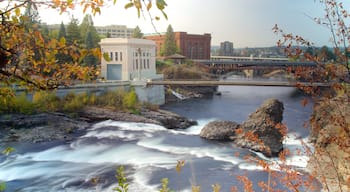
(44, 101)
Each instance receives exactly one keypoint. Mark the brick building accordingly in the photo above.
(192, 46)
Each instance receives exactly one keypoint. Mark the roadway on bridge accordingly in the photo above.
(237, 83)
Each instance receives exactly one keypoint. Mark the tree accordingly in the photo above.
(90, 59)
(326, 55)
(169, 46)
(330, 123)
(17, 44)
(73, 32)
(137, 33)
(31, 16)
(90, 38)
(62, 32)
(62, 57)
(86, 26)
(310, 51)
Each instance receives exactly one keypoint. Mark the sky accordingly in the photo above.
(246, 23)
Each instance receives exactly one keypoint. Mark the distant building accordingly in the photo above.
(115, 31)
(129, 59)
(192, 46)
(226, 48)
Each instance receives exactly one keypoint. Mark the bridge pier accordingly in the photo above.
(150, 94)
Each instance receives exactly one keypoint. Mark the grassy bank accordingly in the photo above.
(48, 101)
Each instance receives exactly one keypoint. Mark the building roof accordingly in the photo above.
(175, 56)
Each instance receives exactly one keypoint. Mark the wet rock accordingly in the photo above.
(96, 114)
(260, 131)
(160, 117)
(40, 127)
(219, 130)
(168, 119)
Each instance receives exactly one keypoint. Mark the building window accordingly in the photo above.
(116, 56)
(148, 63)
(140, 63)
(144, 63)
(121, 56)
(111, 56)
(137, 64)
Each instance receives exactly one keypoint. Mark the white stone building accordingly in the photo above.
(129, 59)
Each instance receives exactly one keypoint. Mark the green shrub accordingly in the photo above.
(123, 186)
(73, 102)
(10, 103)
(20, 104)
(2, 187)
(46, 101)
(130, 100)
(112, 99)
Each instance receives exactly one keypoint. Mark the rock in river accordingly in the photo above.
(219, 130)
(260, 132)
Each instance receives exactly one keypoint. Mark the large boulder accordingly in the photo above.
(219, 130)
(168, 119)
(261, 131)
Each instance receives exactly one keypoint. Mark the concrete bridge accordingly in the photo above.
(237, 83)
(233, 64)
(251, 58)
(253, 66)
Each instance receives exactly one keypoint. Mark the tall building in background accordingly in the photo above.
(192, 46)
(115, 31)
(226, 48)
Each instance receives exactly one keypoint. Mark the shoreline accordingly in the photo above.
(54, 126)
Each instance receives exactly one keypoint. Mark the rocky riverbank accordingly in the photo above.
(330, 130)
(62, 127)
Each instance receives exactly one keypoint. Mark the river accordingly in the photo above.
(150, 152)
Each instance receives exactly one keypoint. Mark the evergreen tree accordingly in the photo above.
(89, 60)
(137, 33)
(73, 32)
(61, 57)
(62, 32)
(45, 31)
(169, 46)
(86, 26)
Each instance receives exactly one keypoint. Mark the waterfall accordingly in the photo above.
(178, 95)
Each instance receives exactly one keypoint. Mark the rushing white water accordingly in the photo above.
(149, 153)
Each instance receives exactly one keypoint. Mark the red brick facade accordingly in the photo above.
(191, 46)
